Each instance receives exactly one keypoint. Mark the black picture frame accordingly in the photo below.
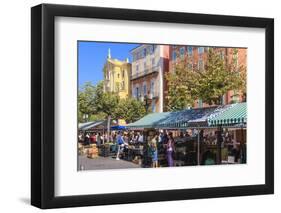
(43, 110)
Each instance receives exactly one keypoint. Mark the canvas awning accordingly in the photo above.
(191, 118)
(82, 125)
(151, 120)
(188, 118)
(207, 117)
(234, 115)
(92, 125)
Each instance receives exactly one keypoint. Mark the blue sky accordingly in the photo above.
(92, 56)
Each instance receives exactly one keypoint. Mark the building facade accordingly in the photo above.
(195, 57)
(117, 76)
(149, 65)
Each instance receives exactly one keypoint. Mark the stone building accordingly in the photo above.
(117, 76)
(149, 65)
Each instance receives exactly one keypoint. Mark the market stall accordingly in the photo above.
(233, 122)
(199, 132)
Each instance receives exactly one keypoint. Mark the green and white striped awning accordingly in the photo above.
(236, 114)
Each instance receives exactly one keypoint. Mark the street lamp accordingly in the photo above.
(146, 100)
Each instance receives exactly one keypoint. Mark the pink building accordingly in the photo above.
(149, 65)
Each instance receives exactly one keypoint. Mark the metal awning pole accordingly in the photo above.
(198, 147)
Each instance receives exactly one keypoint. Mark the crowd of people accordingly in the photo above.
(122, 139)
(163, 142)
(155, 142)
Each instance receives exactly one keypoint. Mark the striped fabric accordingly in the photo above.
(236, 114)
(224, 115)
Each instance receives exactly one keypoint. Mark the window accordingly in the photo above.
(189, 51)
(123, 73)
(144, 52)
(153, 106)
(118, 75)
(182, 50)
(152, 88)
(117, 87)
(235, 97)
(200, 50)
(144, 89)
(123, 85)
(200, 103)
(222, 55)
(137, 68)
(153, 61)
(136, 92)
(174, 55)
(235, 57)
(190, 66)
(200, 64)
(223, 100)
(152, 49)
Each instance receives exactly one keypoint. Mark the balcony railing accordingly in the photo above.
(148, 71)
(150, 96)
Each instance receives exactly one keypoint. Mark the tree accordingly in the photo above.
(89, 97)
(216, 79)
(107, 103)
(86, 100)
(209, 83)
(181, 87)
(130, 110)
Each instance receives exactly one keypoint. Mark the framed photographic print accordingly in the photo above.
(139, 106)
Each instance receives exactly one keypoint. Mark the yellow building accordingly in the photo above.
(117, 76)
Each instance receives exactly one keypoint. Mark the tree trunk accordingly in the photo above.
(108, 127)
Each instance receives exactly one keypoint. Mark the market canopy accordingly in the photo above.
(82, 125)
(231, 114)
(234, 115)
(151, 120)
(92, 125)
(187, 118)
(95, 125)
(171, 120)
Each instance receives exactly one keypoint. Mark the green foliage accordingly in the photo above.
(93, 102)
(97, 116)
(86, 100)
(130, 110)
(99, 105)
(179, 94)
(217, 78)
(209, 84)
(108, 103)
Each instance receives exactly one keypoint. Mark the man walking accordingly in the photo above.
(119, 143)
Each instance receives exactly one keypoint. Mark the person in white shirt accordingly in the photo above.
(140, 139)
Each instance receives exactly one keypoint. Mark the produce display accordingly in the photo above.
(93, 152)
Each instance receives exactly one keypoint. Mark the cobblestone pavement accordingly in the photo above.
(104, 163)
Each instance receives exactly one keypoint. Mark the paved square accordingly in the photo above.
(104, 163)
